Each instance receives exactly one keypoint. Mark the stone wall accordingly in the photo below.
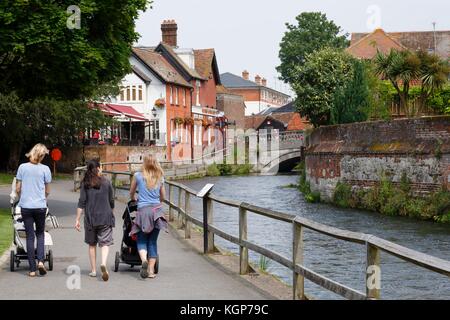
(361, 153)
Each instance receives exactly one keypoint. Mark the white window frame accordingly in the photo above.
(176, 95)
(171, 95)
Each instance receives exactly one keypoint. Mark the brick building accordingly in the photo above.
(233, 107)
(200, 69)
(257, 95)
(365, 45)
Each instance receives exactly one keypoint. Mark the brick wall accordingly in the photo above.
(234, 108)
(360, 153)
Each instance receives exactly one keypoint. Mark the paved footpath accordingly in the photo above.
(184, 273)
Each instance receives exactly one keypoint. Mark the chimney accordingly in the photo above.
(169, 32)
(245, 74)
(258, 79)
(264, 82)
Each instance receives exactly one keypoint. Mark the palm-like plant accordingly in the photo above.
(400, 68)
(434, 73)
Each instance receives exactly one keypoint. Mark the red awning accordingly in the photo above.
(127, 111)
(119, 111)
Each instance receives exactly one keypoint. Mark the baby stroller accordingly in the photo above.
(20, 238)
(128, 248)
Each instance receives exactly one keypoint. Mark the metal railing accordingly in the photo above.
(372, 244)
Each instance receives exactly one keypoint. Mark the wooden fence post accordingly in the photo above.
(187, 211)
(243, 251)
(180, 214)
(114, 183)
(170, 202)
(129, 170)
(373, 272)
(298, 284)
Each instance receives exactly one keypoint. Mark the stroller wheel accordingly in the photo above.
(50, 260)
(12, 261)
(157, 265)
(116, 262)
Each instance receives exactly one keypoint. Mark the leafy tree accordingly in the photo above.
(41, 56)
(312, 32)
(49, 71)
(324, 72)
(46, 120)
(434, 74)
(351, 102)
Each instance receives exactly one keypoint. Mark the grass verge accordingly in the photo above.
(6, 234)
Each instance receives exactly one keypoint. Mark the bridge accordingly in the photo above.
(183, 218)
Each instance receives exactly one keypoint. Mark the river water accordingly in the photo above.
(336, 259)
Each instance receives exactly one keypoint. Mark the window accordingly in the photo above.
(171, 95)
(197, 98)
(131, 93)
(140, 93)
(176, 95)
(184, 97)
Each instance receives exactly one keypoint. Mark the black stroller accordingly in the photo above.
(128, 248)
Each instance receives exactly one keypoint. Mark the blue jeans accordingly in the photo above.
(30, 218)
(147, 242)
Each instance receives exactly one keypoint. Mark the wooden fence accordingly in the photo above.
(372, 244)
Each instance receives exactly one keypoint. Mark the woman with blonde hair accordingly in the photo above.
(33, 179)
(150, 217)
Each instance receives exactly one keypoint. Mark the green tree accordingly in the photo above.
(41, 56)
(49, 72)
(434, 73)
(312, 32)
(324, 72)
(46, 120)
(400, 68)
(352, 101)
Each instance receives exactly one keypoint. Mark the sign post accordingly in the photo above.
(56, 155)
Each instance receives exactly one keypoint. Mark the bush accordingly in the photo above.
(312, 197)
(212, 170)
(343, 195)
(242, 169)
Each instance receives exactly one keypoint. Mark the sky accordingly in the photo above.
(246, 33)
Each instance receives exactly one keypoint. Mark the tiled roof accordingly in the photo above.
(253, 122)
(230, 80)
(368, 46)
(290, 107)
(160, 66)
(206, 64)
(203, 62)
(417, 40)
(193, 73)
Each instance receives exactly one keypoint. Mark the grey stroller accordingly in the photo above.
(16, 256)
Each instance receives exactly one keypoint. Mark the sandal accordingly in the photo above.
(105, 274)
(42, 270)
(144, 270)
(152, 275)
(32, 274)
(93, 274)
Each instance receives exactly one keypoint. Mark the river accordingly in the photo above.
(336, 259)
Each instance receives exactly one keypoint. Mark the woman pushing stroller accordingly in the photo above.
(150, 217)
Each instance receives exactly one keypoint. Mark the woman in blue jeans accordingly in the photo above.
(33, 179)
(150, 217)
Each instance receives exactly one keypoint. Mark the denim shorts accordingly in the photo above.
(101, 235)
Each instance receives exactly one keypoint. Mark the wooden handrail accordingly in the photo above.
(373, 244)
